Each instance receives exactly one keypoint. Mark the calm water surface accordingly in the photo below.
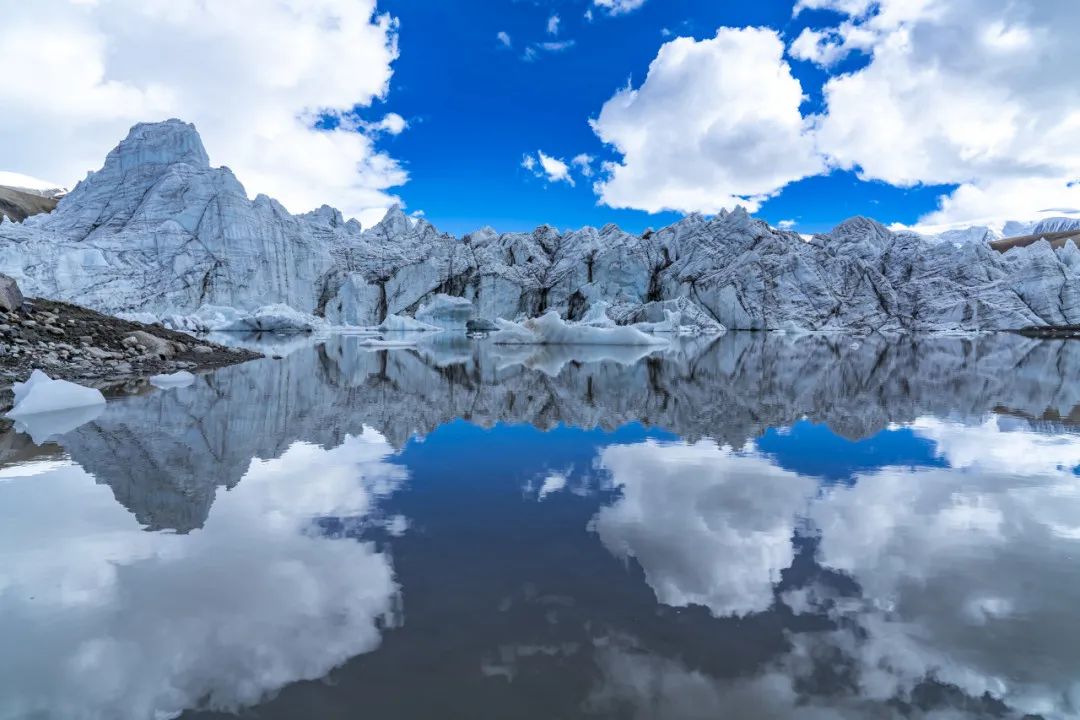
(760, 527)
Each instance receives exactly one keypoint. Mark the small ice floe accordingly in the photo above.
(376, 342)
(45, 408)
(550, 329)
(403, 323)
(172, 380)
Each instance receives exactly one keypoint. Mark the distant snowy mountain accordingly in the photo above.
(1011, 229)
(159, 232)
(31, 185)
(975, 234)
(1056, 225)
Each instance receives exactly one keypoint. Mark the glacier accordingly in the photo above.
(159, 233)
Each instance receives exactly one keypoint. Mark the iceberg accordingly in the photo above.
(46, 408)
(550, 329)
(40, 393)
(404, 323)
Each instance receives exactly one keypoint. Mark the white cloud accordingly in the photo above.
(583, 162)
(553, 25)
(588, 15)
(504, 38)
(252, 76)
(618, 7)
(391, 123)
(1001, 118)
(709, 527)
(848, 7)
(547, 167)
(554, 169)
(1002, 444)
(716, 123)
(556, 46)
(553, 483)
(102, 619)
(786, 224)
(945, 560)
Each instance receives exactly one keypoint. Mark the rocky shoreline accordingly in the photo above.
(74, 343)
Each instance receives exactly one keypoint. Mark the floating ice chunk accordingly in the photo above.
(173, 380)
(381, 343)
(269, 318)
(40, 393)
(401, 323)
(681, 316)
(551, 359)
(550, 329)
(45, 408)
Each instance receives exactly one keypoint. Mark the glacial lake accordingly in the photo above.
(760, 526)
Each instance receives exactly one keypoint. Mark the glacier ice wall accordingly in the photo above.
(159, 231)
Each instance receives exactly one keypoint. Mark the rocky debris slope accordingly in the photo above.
(18, 204)
(74, 343)
(160, 233)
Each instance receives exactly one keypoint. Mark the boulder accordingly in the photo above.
(11, 298)
(153, 344)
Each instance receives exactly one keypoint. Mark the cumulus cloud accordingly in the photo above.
(716, 123)
(504, 38)
(999, 118)
(253, 77)
(709, 526)
(618, 7)
(553, 25)
(945, 560)
(103, 619)
(1002, 443)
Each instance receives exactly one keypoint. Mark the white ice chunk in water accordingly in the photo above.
(43, 394)
(173, 380)
(402, 323)
(550, 329)
(45, 408)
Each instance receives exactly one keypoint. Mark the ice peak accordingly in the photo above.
(169, 142)
(861, 228)
(395, 222)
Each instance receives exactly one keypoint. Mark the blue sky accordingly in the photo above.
(474, 107)
(927, 113)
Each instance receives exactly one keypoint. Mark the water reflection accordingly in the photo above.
(103, 620)
(761, 526)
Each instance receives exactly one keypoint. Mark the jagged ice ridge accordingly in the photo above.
(159, 232)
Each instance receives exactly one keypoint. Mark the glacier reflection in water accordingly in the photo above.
(761, 526)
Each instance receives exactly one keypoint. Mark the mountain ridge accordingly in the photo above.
(159, 232)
